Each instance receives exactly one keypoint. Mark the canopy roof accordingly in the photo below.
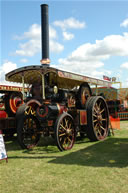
(33, 74)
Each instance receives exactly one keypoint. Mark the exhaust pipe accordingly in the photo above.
(45, 35)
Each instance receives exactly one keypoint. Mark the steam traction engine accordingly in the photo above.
(59, 103)
(10, 99)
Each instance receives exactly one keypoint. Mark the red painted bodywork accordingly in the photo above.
(3, 114)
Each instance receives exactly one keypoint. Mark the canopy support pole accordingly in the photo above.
(43, 87)
(23, 86)
(96, 90)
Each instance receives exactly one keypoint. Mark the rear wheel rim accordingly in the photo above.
(100, 119)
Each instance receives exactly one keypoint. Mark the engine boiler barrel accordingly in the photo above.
(56, 109)
(50, 111)
(45, 34)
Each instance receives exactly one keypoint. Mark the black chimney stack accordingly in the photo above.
(45, 34)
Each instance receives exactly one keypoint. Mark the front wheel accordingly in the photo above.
(64, 132)
(27, 131)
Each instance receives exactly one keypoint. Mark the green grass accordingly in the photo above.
(87, 168)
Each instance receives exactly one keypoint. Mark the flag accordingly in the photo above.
(106, 78)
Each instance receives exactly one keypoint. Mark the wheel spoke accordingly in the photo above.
(95, 121)
(64, 141)
(103, 120)
(99, 104)
(95, 109)
(62, 134)
(95, 115)
(66, 123)
(70, 126)
(98, 131)
(96, 126)
(63, 127)
(102, 111)
(69, 140)
(102, 128)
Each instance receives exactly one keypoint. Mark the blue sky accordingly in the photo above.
(87, 37)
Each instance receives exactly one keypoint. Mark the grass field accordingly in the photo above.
(87, 168)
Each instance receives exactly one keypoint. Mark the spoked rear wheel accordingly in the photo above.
(98, 119)
(27, 131)
(64, 132)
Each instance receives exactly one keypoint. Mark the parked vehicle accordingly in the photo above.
(59, 103)
(10, 99)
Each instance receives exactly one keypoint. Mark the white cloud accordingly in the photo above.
(24, 60)
(56, 47)
(29, 48)
(34, 32)
(88, 58)
(99, 74)
(8, 66)
(124, 65)
(80, 66)
(33, 44)
(52, 33)
(67, 35)
(113, 45)
(5, 68)
(124, 23)
(70, 23)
